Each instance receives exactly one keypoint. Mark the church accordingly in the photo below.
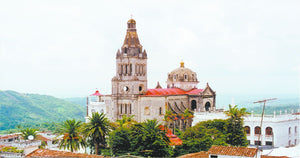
(131, 95)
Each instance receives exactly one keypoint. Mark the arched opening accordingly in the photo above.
(247, 130)
(257, 130)
(193, 105)
(207, 106)
(269, 131)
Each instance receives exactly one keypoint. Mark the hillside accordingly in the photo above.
(17, 108)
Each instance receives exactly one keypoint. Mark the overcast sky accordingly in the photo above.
(67, 48)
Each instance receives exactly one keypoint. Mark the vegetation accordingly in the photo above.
(236, 135)
(72, 139)
(23, 109)
(29, 131)
(96, 130)
(10, 150)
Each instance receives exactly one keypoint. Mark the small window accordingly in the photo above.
(290, 130)
(125, 50)
(121, 108)
(140, 88)
(257, 142)
(296, 129)
(129, 108)
(126, 89)
(174, 77)
(147, 111)
(125, 108)
(160, 110)
(269, 143)
(213, 156)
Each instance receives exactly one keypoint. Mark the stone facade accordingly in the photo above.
(131, 96)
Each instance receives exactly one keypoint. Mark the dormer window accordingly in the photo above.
(185, 77)
(175, 76)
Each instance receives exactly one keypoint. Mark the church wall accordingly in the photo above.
(150, 108)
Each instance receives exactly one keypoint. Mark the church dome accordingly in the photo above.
(132, 21)
(182, 74)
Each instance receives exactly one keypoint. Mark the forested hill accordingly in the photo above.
(18, 108)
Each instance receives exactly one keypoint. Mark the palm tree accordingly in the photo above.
(97, 129)
(28, 131)
(169, 117)
(235, 131)
(72, 140)
(187, 116)
(234, 113)
(151, 139)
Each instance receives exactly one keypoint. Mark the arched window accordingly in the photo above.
(185, 76)
(93, 110)
(290, 130)
(121, 108)
(160, 110)
(126, 69)
(125, 108)
(296, 129)
(257, 130)
(129, 108)
(269, 131)
(207, 106)
(247, 129)
(174, 77)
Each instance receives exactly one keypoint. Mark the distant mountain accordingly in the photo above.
(18, 108)
(77, 100)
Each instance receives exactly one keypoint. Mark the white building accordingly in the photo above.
(277, 130)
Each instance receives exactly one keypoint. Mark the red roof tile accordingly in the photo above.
(171, 91)
(265, 156)
(9, 136)
(97, 93)
(201, 154)
(232, 151)
(56, 153)
(40, 137)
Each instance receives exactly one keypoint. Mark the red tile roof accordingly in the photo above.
(97, 93)
(232, 151)
(265, 156)
(9, 136)
(40, 137)
(171, 91)
(201, 154)
(55, 153)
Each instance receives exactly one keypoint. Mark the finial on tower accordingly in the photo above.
(181, 64)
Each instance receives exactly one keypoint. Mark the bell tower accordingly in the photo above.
(131, 66)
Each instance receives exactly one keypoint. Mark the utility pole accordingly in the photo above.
(261, 121)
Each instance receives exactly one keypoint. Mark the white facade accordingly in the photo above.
(95, 104)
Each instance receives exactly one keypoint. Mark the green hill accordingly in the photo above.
(17, 108)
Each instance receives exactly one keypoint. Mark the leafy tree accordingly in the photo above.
(72, 139)
(187, 117)
(149, 140)
(120, 141)
(236, 135)
(97, 129)
(28, 131)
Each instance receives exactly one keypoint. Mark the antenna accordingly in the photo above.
(262, 116)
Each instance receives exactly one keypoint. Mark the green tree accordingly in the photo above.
(236, 135)
(120, 141)
(72, 139)
(28, 131)
(187, 117)
(149, 140)
(97, 129)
